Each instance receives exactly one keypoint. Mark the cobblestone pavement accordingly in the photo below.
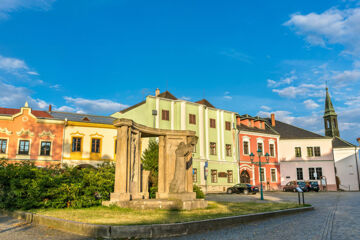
(336, 216)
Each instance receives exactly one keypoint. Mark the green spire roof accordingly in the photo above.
(329, 108)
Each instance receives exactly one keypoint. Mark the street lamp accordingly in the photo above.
(267, 156)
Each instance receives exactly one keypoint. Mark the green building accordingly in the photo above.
(215, 156)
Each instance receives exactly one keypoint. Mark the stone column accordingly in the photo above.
(162, 166)
(121, 176)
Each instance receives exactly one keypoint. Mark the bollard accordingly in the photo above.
(303, 198)
(299, 197)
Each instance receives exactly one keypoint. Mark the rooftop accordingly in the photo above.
(79, 117)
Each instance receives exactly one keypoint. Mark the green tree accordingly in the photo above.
(150, 161)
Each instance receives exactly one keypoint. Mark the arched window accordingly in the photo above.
(328, 123)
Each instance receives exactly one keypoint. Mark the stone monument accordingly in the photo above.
(175, 184)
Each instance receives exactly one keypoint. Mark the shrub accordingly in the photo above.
(25, 186)
(199, 192)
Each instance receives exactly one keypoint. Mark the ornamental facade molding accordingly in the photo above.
(47, 134)
(6, 131)
(25, 132)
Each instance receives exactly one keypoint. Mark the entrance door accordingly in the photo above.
(244, 177)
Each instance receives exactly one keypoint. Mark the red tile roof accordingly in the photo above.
(13, 111)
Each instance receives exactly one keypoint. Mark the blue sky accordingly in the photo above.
(253, 57)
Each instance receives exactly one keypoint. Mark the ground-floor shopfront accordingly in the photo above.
(215, 176)
(322, 171)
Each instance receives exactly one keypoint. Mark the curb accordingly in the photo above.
(146, 231)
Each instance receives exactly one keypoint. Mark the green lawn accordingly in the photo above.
(124, 216)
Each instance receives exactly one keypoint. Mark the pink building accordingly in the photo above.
(255, 133)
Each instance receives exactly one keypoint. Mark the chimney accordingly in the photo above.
(238, 120)
(157, 92)
(273, 120)
(50, 107)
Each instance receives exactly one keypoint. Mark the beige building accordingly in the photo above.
(88, 139)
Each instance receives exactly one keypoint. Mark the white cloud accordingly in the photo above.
(185, 98)
(232, 53)
(303, 90)
(227, 95)
(346, 77)
(16, 96)
(8, 6)
(310, 104)
(97, 106)
(333, 26)
(266, 108)
(33, 73)
(284, 116)
(12, 64)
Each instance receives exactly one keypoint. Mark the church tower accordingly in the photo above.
(330, 118)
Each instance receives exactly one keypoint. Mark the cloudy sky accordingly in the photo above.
(253, 57)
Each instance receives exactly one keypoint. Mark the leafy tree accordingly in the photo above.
(150, 161)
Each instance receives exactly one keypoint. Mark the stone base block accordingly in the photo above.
(128, 196)
(159, 204)
(185, 196)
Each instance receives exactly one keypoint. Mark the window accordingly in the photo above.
(24, 147)
(213, 176)
(228, 150)
(272, 150)
(297, 151)
(246, 147)
(273, 175)
(317, 151)
(260, 146)
(229, 176)
(299, 174)
(318, 173)
(3, 143)
(165, 115)
(76, 144)
(262, 174)
(311, 173)
(212, 123)
(310, 151)
(95, 145)
(115, 146)
(227, 125)
(192, 119)
(194, 175)
(213, 148)
(45, 148)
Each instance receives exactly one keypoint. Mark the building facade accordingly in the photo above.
(214, 159)
(30, 135)
(88, 139)
(254, 134)
(346, 155)
(304, 156)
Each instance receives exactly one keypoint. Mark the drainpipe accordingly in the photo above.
(357, 167)
(62, 152)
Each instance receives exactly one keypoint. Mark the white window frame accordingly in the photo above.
(276, 177)
(271, 141)
(246, 139)
(264, 180)
(260, 140)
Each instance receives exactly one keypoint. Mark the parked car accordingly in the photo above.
(313, 186)
(292, 185)
(242, 188)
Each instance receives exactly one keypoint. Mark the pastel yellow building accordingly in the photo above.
(88, 139)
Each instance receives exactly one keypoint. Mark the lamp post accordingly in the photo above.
(259, 152)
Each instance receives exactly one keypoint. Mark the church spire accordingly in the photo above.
(330, 118)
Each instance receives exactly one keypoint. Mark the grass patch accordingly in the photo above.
(124, 216)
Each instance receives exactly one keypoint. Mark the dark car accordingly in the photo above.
(313, 186)
(243, 188)
(291, 186)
